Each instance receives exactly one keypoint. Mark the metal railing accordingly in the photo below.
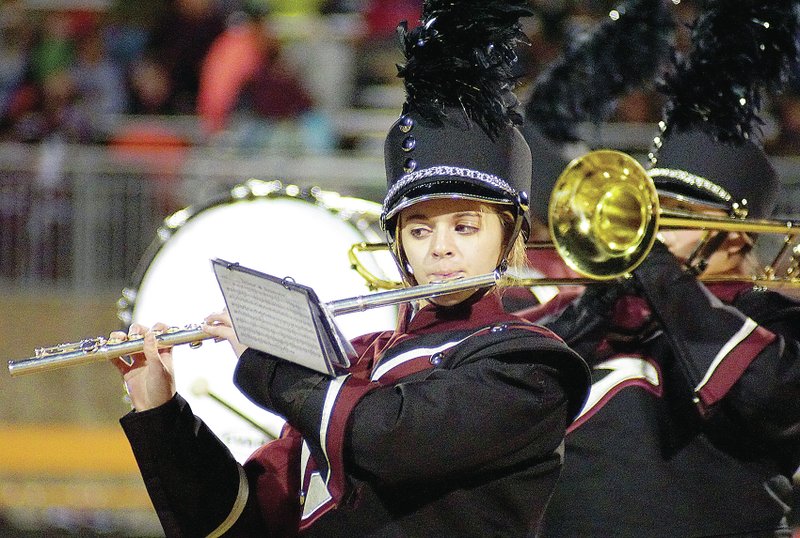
(75, 217)
(82, 217)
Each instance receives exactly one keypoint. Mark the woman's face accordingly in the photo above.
(726, 260)
(449, 239)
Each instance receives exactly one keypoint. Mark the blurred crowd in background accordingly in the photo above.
(71, 68)
(250, 77)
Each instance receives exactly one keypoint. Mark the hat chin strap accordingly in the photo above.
(502, 267)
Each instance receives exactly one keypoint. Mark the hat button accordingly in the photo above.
(406, 124)
(524, 199)
(436, 359)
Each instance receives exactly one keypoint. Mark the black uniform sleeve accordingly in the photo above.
(316, 405)
(767, 395)
(278, 385)
(195, 484)
(464, 421)
(731, 361)
(583, 322)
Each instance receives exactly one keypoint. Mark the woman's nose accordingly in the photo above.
(442, 245)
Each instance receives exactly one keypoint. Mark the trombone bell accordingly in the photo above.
(603, 214)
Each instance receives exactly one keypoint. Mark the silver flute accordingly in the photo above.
(101, 349)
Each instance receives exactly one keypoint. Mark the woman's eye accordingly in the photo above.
(466, 228)
(418, 232)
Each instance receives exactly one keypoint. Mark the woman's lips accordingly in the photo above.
(444, 277)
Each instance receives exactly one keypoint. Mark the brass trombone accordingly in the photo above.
(604, 215)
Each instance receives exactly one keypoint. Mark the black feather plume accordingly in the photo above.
(740, 48)
(616, 56)
(462, 55)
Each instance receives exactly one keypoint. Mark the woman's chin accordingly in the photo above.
(452, 299)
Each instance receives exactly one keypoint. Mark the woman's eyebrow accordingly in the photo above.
(416, 216)
(423, 216)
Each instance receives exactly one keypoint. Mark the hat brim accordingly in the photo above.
(446, 188)
(693, 201)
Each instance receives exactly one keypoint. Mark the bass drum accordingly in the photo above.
(276, 229)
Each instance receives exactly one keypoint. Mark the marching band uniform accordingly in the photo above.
(692, 427)
(453, 424)
(450, 426)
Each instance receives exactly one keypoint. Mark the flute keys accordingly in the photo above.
(87, 345)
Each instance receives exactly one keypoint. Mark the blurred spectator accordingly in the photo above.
(786, 109)
(378, 51)
(127, 28)
(249, 94)
(99, 83)
(53, 50)
(150, 87)
(15, 43)
(55, 113)
(175, 51)
(233, 60)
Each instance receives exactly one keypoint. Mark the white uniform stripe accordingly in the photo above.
(748, 327)
(621, 370)
(305, 453)
(238, 506)
(318, 493)
(316, 496)
(412, 354)
(327, 409)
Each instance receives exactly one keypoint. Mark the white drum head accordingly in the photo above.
(282, 235)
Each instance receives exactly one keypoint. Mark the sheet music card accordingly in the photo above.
(282, 318)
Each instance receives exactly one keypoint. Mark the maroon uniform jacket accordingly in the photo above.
(692, 427)
(451, 425)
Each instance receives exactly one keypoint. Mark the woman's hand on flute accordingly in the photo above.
(219, 325)
(149, 376)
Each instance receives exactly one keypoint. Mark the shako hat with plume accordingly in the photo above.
(708, 149)
(626, 50)
(457, 135)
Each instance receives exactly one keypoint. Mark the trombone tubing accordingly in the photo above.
(681, 219)
(107, 351)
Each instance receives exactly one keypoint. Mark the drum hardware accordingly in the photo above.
(201, 389)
